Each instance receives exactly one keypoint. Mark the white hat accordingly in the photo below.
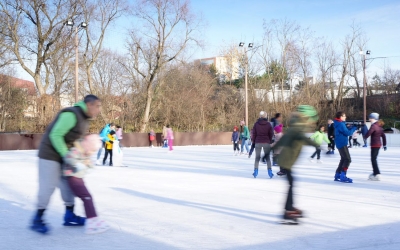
(263, 114)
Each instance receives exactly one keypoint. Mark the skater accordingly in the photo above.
(278, 136)
(164, 136)
(319, 137)
(76, 163)
(170, 138)
(69, 125)
(152, 137)
(355, 138)
(118, 135)
(364, 131)
(291, 143)
(104, 138)
(341, 135)
(235, 141)
(109, 147)
(244, 136)
(276, 120)
(350, 137)
(262, 137)
(376, 133)
(331, 137)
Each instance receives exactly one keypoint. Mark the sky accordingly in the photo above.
(229, 22)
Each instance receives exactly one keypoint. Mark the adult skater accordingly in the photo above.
(262, 137)
(244, 137)
(376, 133)
(291, 143)
(276, 120)
(341, 138)
(364, 131)
(69, 125)
(331, 137)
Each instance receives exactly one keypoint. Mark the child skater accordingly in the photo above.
(355, 136)
(76, 163)
(318, 137)
(109, 147)
(170, 138)
(291, 143)
(235, 140)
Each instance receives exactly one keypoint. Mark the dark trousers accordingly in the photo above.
(365, 141)
(253, 146)
(356, 143)
(108, 151)
(350, 137)
(79, 189)
(331, 145)
(374, 156)
(317, 152)
(236, 146)
(289, 199)
(345, 160)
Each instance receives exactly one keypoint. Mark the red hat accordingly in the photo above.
(235, 128)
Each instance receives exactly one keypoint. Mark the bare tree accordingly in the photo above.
(34, 28)
(168, 27)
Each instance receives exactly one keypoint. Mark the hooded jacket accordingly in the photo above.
(104, 132)
(262, 131)
(319, 137)
(69, 125)
(342, 133)
(376, 132)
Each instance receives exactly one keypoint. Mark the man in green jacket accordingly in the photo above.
(291, 144)
(69, 125)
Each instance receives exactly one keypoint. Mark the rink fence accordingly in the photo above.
(32, 141)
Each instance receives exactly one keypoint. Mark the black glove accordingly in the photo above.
(384, 148)
(112, 142)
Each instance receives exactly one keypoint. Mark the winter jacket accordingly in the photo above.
(292, 141)
(110, 141)
(235, 136)
(331, 130)
(164, 133)
(278, 136)
(245, 133)
(376, 132)
(342, 133)
(104, 132)
(70, 125)
(364, 130)
(118, 134)
(76, 163)
(170, 134)
(262, 131)
(319, 137)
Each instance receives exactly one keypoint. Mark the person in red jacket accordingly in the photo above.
(376, 133)
(262, 137)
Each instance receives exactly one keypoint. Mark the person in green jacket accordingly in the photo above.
(70, 125)
(319, 136)
(244, 137)
(291, 144)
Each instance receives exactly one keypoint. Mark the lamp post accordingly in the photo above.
(364, 84)
(83, 25)
(246, 112)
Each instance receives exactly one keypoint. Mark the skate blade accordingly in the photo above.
(288, 222)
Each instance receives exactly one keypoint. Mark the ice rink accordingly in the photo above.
(203, 197)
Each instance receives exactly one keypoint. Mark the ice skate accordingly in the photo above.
(270, 173)
(290, 218)
(311, 160)
(373, 177)
(319, 161)
(344, 178)
(337, 177)
(255, 172)
(96, 225)
(39, 226)
(281, 173)
(71, 219)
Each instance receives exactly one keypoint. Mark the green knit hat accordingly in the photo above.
(308, 111)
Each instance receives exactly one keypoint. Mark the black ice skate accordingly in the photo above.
(290, 218)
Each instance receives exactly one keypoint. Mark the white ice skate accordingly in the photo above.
(95, 225)
(311, 160)
(319, 161)
(373, 177)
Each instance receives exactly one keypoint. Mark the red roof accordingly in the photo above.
(20, 83)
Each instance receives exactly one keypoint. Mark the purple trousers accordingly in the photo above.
(78, 187)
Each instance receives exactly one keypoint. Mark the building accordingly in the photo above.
(227, 68)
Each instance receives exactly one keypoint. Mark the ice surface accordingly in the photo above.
(203, 197)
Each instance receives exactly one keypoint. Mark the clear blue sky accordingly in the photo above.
(234, 21)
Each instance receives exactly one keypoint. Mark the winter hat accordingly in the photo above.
(374, 116)
(278, 128)
(308, 111)
(263, 114)
(241, 123)
(91, 143)
(235, 128)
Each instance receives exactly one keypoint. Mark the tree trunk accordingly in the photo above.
(146, 114)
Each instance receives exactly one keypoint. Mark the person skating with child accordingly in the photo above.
(76, 163)
(244, 137)
(342, 132)
(319, 137)
(331, 137)
(235, 141)
(376, 133)
(104, 138)
(291, 144)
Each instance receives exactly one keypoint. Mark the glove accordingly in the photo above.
(111, 142)
(384, 148)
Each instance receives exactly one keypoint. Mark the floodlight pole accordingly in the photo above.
(76, 65)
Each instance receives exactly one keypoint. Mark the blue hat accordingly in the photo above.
(374, 116)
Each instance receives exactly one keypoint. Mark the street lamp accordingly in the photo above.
(82, 25)
(364, 85)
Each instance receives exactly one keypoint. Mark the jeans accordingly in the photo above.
(318, 153)
(246, 144)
